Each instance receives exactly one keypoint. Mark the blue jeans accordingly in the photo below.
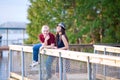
(36, 51)
(49, 62)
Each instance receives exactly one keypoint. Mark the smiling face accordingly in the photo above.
(58, 29)
(45, 30)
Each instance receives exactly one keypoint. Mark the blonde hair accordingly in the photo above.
(45, 27)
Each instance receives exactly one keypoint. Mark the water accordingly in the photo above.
(14, 36)
(4, 66)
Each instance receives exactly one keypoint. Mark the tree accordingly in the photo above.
(87, 21)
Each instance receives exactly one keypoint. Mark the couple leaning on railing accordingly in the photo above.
(48, 40)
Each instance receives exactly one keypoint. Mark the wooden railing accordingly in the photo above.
(107, 48)
(81, 47)
(2, 48)
(73, 55)
(83, 56)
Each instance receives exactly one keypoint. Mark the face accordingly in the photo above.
(45, 32)
(58, 29)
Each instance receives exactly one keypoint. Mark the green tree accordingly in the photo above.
(87, 21)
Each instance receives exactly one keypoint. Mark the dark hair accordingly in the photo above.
(58, 36)
(61, 25)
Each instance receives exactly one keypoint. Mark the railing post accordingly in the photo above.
(60, 66)
(104, 68)
(104, 51)
(89, 69)
(44, 75)
(64, 69)
(94, 68)
(10, 62)
(23, 64)
(43, 66)
(40, 70)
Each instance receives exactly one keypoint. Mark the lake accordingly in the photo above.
(4, 66)
(12, 39)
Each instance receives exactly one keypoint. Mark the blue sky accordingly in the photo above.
(13, 10)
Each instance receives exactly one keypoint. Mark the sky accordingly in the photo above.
(13, 11)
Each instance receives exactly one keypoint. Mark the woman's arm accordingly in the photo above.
(45, 44)
(50, 46)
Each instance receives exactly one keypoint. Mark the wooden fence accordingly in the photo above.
(107, 50)
(73, 55)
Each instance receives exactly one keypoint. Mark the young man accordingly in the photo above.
(47, 39)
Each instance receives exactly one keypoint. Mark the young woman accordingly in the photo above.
(61, 38)
(61, 43)
(46, 39)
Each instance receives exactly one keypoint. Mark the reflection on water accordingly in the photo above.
(16, 67)
(4, 66)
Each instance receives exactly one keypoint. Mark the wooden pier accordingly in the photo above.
(3, 48)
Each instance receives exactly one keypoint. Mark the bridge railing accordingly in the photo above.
(111, 51)
(107, 49)
(76, 59)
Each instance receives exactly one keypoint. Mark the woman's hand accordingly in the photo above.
(55, 47)
(47, 38)
(42, 47)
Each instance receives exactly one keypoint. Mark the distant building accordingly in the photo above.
(13, 32)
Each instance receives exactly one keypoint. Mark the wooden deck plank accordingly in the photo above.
(17, 76)
(102, 77)
(4, 48)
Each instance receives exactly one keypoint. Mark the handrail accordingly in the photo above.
(73, 55)
(107, 48)
(19, 47)
(81, 56)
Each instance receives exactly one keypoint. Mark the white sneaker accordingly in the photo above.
(34, 63)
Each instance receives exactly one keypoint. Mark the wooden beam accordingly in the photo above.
(4, 48)
(81, 56)
(15, 47)
(12, 79)
(17, 76)
(108, 48)
(19, 48)
(101, 77)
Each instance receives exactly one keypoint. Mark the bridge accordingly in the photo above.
(87, 64)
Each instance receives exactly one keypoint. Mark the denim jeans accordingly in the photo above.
(36, 51)
(49, 62)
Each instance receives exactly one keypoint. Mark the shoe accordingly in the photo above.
(34, 63)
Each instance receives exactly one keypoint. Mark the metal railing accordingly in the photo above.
(88, 59)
